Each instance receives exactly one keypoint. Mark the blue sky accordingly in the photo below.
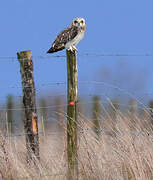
(120, 26)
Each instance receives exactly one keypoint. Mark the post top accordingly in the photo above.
(24, 54)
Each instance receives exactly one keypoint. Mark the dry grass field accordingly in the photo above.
(122, 151)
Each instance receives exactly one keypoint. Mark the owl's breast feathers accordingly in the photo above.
(63, 38)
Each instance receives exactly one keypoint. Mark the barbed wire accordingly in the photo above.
(39, 133)
(58, 95)
(83, 55)
(81, 130)
(111, 85)
(78, 103)
(63, 96)
(39, 85)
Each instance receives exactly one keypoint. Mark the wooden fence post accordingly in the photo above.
(29, 101)
(151, 112)
(133, 107)
(72, 99)
(10, 103)
(43, 114)
(96, 114)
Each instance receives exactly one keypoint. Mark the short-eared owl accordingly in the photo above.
(70, 36)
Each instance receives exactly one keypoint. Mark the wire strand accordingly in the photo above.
(83, 55)
(100, 130)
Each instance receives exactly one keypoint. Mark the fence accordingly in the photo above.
(95, 102)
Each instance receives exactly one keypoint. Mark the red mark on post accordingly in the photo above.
(71, 103)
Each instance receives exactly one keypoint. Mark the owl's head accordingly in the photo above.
(79, 22)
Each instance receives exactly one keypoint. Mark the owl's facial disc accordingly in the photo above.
(78, 22)
(82, 22)
(75, 22)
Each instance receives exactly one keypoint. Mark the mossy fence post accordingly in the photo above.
(72, 99)
(29, 101)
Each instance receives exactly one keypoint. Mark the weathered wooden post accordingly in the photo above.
(133, 107)
(96, 114)
(114, 108)
(151, 108)
(133, 113)
(58, 102)
(10, 103)
(29, 101)
(72, 99)
(151, 112)
(43, 113)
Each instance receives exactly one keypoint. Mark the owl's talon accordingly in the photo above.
(72, 48)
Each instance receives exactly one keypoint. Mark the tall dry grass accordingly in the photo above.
(122, 151)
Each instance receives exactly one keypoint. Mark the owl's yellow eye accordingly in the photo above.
(81, 21)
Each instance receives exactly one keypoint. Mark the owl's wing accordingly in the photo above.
(65, 36)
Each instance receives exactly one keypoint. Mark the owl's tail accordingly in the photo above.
(51, 50)
(55, 49)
